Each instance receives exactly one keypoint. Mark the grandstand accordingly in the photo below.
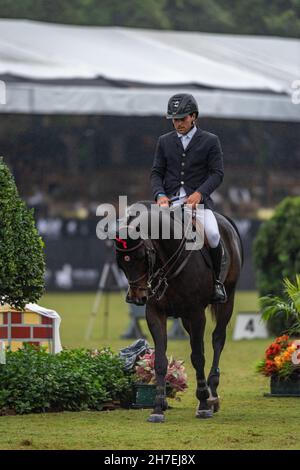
(80, 126)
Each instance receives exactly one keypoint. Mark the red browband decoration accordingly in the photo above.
(123, 242)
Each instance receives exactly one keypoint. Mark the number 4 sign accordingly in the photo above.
(249, 325)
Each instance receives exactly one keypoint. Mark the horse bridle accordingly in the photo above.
(160, 277)
(151, 258)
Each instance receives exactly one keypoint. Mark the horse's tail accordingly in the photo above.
(215, 311)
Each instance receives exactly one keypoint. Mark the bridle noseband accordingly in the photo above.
(151, 258)
(157, 283)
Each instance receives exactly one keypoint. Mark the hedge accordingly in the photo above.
(33, 381)
(277, 254)
(22, 263)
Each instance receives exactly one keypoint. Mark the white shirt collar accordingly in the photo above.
(189, 135)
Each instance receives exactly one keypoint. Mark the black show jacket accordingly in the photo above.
(197, 168)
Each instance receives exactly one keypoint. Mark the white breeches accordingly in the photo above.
(211, 228)
(210, 224)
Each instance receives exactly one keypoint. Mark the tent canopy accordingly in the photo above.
(71, 69)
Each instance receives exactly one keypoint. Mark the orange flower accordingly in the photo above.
(278, 361)
(286, 355)
(281, 357)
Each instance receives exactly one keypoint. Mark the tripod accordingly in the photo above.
(109, 270)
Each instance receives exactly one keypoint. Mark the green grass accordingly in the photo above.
(247, 420)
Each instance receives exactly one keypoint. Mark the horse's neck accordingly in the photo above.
(165, 248)
(166, 245)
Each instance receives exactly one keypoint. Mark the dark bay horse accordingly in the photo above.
(172, 281)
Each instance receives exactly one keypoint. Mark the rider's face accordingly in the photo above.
(184, 125)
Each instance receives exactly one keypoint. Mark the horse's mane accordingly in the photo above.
(148, 204)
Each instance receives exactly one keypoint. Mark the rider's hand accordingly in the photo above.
(163, 201)
(194, 198)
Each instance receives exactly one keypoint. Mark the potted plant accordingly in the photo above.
(145, 387)
(282, 364)
(282, 357)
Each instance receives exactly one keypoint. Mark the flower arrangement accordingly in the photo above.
(282, 358)
(176, 378)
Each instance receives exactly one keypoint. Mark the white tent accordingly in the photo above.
(51, 68)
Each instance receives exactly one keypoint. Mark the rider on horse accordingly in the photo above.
(188, 164)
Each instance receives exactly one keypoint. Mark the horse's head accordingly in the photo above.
(135, 257)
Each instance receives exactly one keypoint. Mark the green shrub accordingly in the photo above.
(21, 248)
(34, 381)
(277, 255)
(289, 305)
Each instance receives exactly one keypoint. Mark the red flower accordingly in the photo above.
(270, 368)
(273, 350)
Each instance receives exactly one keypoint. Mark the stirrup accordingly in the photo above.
(219, 295)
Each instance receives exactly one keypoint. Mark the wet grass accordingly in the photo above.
(247, 420)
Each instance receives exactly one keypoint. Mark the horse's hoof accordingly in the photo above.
(156, 418)
(204, 414)
(214, 403)
(216, 406)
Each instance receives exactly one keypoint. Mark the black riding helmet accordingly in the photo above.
(181, 105)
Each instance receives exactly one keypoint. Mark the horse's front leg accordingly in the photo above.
(195, 326)
(157, 324)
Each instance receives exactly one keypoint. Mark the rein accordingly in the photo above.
(160, 277)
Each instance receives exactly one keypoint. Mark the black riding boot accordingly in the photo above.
(219, 295)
